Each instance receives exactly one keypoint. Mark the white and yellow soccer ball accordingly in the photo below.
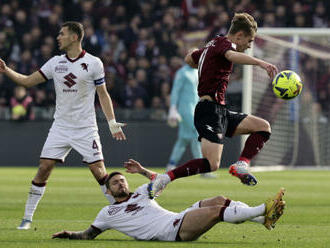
(287, 85)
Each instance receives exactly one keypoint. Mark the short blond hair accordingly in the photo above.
(243, 22)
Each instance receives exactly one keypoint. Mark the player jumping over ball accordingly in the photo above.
(139, 217)
(212, 119)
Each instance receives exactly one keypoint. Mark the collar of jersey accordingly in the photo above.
(82, 54)
(130, 194)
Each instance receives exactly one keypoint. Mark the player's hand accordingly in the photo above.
(269, 68)
(173, 117)
(62, 235)
(133, 166)
(2, 66)
(115, 129)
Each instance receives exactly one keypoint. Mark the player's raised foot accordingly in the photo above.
(25, 225)
(274, 209)
(240, 170)
(157, 184)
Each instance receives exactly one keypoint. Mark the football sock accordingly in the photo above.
(237, 214)
(192, 167)
(238, 203)
(108, 196)
(259, 219)
(253, 145)
(37, 190)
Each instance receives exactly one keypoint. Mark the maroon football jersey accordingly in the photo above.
(213, 68)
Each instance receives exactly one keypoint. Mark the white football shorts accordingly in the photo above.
(170, 232)
(60, 141)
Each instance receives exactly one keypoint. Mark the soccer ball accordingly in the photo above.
(287, 85)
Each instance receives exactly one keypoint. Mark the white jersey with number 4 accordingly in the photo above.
(141, 218)
(75, 83)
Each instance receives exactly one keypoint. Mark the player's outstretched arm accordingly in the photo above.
(24, 80)
(242, 58)
(133, 166)
(107, 107)
(89, 233)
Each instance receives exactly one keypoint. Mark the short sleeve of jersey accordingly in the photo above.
(223, 45)
(196, 55)
(102, 220)
(47, 69)
(98, 74)
(143, 189)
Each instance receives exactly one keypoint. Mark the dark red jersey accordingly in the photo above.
(213, 68)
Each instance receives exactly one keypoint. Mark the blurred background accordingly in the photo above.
(142, 44)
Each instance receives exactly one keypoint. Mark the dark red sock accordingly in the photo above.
(227, 202)
(253, 145)
(222, 212)
(39, 184)
(192, 167)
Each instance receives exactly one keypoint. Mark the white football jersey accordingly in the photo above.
(140, 218)
(75, 84)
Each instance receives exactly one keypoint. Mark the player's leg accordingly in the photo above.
(87, 143)
(100, 174)
(260, 131)
(210, 123)
(177, 152)
(186, 127)
(223, 201)
(198, 221)
(37, 190)
(55, 149)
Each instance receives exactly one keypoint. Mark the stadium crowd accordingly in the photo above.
(140, 42)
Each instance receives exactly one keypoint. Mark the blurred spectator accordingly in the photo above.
(21, 104)
(131, 92)
(6, 90)
(140, 39)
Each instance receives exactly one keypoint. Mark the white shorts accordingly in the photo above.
(61, 140)
(172, 226)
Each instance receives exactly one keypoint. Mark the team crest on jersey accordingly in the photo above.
(84, 66)
(61, 68)
(112, 210)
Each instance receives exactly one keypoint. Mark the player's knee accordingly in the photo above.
(214, 165)
(46, 165)
(220, 200)
(266, 127)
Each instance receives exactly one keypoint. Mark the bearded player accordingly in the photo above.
(212, 119)
(140, 217)
(76, 75)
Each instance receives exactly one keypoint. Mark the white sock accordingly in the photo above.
(34, 197)
(259, 219)
(109, 197)
(237, 203)
(237, 214)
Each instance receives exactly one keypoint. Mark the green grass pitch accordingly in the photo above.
(73, 199)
